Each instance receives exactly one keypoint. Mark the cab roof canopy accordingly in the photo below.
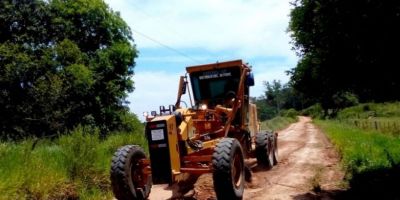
(217, 65)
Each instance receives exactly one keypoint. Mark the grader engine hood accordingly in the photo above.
(162, 138)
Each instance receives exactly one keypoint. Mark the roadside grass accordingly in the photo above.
(371, 160)
(277, 123)
(367, 110)
(74, 166)
(383, 125)
(383, 117)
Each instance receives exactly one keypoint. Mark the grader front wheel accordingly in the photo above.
(127, 178)
(228, 169)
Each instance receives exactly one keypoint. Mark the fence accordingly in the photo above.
(385, 126)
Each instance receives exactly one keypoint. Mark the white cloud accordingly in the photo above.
(213, 30)
(153, 89)
(249, 28)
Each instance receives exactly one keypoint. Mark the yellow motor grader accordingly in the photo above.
(214, 135)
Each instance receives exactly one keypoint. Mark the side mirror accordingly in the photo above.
(250, 79)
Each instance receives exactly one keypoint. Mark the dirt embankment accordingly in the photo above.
(308, 169)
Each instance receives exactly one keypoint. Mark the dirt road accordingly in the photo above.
(308, 169)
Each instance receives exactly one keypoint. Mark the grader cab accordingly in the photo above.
(213, 135)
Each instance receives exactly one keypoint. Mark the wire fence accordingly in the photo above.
(385, 126)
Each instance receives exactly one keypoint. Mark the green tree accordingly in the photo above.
(346, 47)
(63, 63)
(264, 110)
(278, 97)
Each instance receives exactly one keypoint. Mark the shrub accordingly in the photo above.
(291, 113)
(314, 111)
(80, 155)
(277, 123)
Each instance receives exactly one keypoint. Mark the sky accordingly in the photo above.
(171, 35)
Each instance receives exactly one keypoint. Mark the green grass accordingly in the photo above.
(367, 137)
(277, 123)
(383, 118)
(75, 166)
(362, 151)
(383, 125)
(370, 159)
(368, 110)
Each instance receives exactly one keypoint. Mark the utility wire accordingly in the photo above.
(161, 23)
(166, 46)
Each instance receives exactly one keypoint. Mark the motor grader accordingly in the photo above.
(213, 135)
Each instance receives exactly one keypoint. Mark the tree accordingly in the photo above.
(346, 47)
(277, 97)
(63, 63)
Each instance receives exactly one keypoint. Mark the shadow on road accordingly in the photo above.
(375, 184)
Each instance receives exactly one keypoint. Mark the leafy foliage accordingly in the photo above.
(314, 111)
(63, 63)
(277, 99)
(277, 123)
(345, 48)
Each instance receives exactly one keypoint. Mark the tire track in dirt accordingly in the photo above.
(308, 167)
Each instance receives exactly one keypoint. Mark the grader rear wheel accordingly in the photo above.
(275, 148)
(127, 180)
(228, 169)
(264, 149)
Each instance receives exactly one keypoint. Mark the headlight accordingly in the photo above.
(203, 107)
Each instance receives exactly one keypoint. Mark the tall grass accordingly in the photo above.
(383, 117)
(368, 110)
(390, 126)
(361, 150)
(75, 166)
(371, 160)
(277, 123)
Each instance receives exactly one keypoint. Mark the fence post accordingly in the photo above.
(376, 125)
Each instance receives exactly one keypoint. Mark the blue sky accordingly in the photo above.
(199, 32)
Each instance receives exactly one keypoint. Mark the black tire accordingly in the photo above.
(264, 150)
(275, 143)
(228, 169)
(126, 174)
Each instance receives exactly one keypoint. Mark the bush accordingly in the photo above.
(344, 99)
(79, 152)
(314, 111)
(277, 123)
(291, 113)
(367, 110)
